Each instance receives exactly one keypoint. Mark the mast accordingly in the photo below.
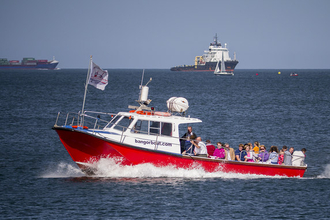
(86, 85)
(223, 68)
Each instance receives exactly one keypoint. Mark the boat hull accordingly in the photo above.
(207, 67)
(85, 147)
(38, 66)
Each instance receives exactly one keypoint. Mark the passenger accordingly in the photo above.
(273, 156)
(251, 146)
(304, 152)
(229, 152)
(188, 146)
(200, 148)
(210, 148)
(249, 153)
(263, 156)
(240, 153)
(281, 157)
(188, 133)
(298, 157)
(256, 147)
(187, 136)
(219, 153)
(288, 156)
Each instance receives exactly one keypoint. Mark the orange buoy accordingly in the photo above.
(76, 126)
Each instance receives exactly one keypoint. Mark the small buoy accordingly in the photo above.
(257, 74)
(279, 72)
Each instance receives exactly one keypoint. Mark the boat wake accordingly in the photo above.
(110, 168)
(326, 173)
(63, 170)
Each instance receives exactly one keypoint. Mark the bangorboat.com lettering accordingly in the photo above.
(150, 142)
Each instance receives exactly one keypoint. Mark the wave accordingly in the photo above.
(110, 168)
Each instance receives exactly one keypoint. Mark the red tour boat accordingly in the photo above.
(143, 135)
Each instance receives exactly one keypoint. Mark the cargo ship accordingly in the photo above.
(211, 57)
(28, 63)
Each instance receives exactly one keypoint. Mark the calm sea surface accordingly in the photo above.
(38, 178)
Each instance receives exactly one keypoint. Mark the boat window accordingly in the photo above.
(141, 126)
(166, 129)
(113, 121)
(154, 127)
(123, 124)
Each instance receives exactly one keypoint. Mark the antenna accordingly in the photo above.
(142, 79)
(143, 96)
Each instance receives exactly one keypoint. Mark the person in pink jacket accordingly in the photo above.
(219, 152)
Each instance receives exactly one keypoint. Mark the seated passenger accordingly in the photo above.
(249, 153)
(288, 156)
(210, 148)
(298, 158)
(200, 147)
(219, 152)
(229, 152)
(240, 153)
(273, 156)
(281, 157)
(256, 147)
(263, 156)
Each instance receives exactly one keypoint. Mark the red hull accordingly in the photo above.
(84, 147)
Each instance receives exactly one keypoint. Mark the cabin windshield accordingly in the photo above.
(113, 121)
(123, 123)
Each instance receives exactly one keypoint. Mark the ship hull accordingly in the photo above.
(86, 148)
(207, 67)
(38, 66)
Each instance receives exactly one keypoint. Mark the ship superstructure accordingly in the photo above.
(211, 57)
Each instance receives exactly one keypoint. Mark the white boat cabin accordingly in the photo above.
(146, 129)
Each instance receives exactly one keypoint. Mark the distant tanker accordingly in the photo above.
(209, 60)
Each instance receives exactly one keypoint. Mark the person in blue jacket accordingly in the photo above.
(240, 153)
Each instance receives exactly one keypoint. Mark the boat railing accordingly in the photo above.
(90, 119)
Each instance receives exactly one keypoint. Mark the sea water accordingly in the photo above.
(38, 178)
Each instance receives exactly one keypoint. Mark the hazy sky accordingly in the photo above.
(265, 34)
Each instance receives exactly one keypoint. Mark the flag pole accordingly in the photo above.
(86, 85)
